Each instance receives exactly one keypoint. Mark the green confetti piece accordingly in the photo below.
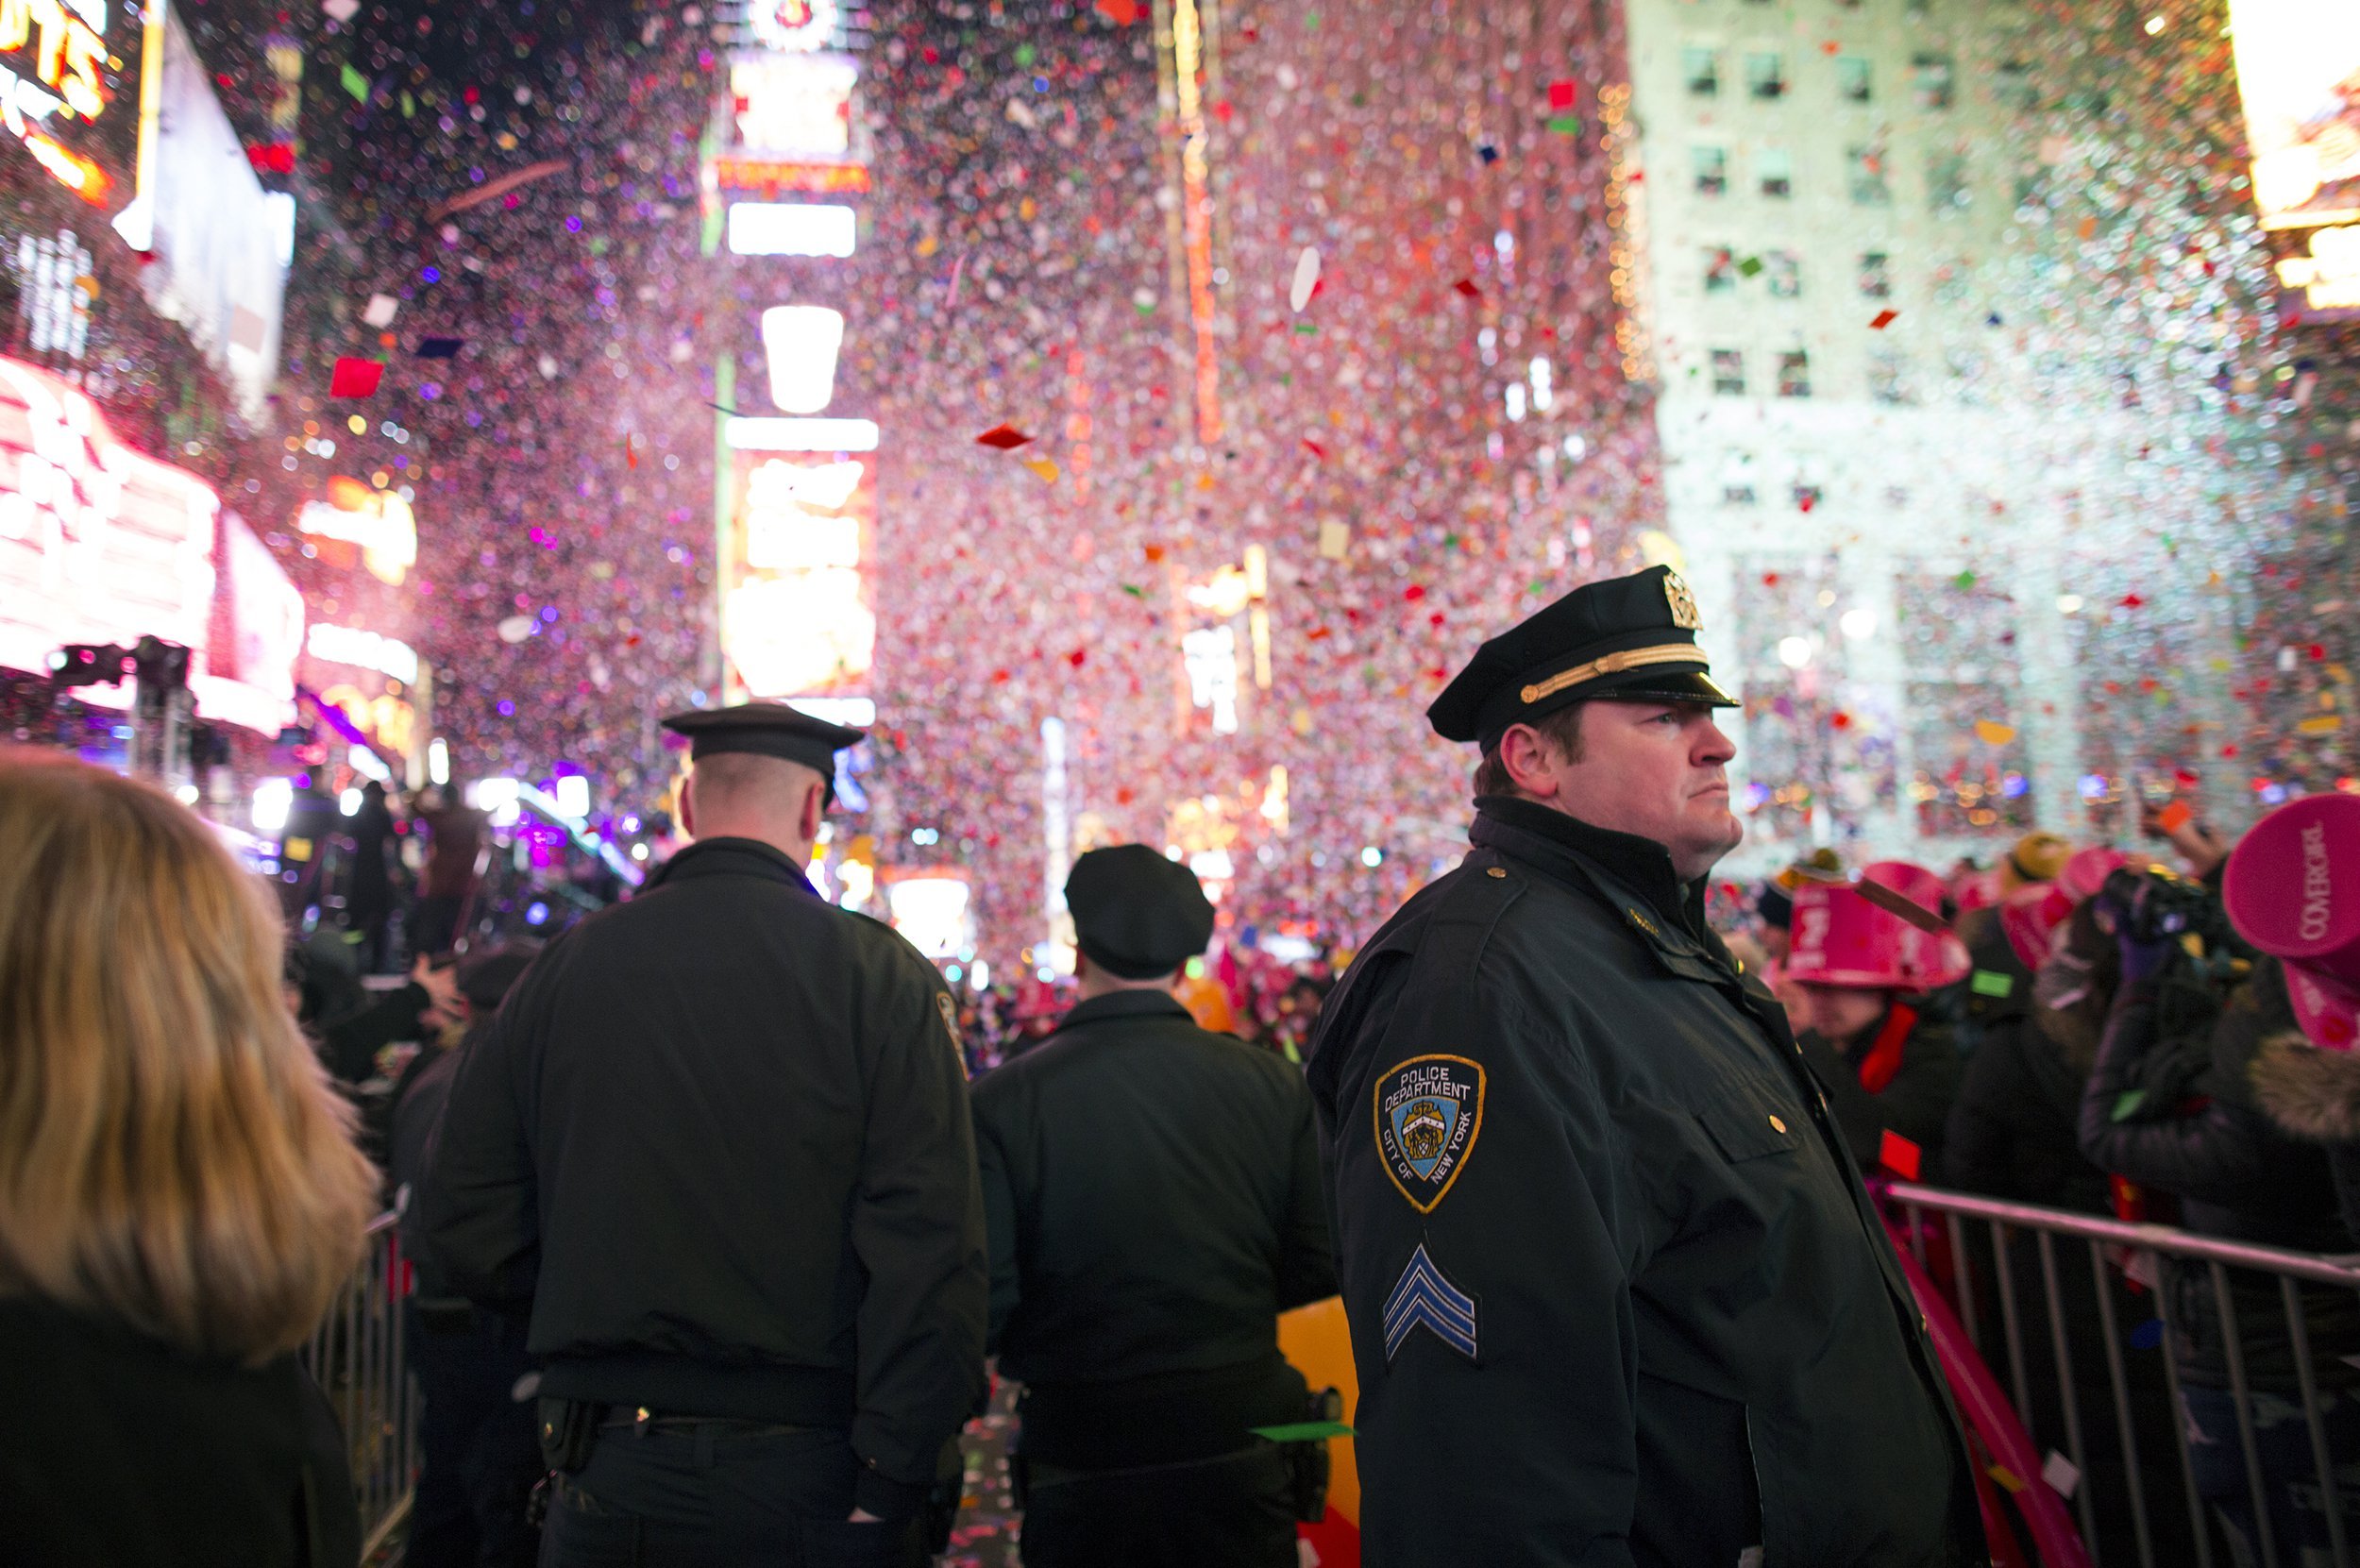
(1994, 982)
(409, 106)
(1750, 267)
(1964, 580)
(1133, 590)
(1025, 54)
(1565, 125)
(1304, 1431)
(2128, 1102)
(355, 83)
(1306, 329)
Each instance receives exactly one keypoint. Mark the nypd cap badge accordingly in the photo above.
(1428, 1111)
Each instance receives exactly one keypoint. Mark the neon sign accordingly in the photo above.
(378, 521)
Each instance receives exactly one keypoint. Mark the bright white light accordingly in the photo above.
(438, 761)
(1371, 856)
(982, 975)
(573, 795)
(273, 799)
(349, 803)
(931, 913)
(2070, 604)
(790, 228)
(1543, 383)
(1213, 865)
(1516, 401)
(368, 765)
(1210, 656)
(801, 341)
(1795, 652)
(639, 851)
(280, 206)
(1857, 624)
(858, 711)
(350, 644)
(801, 435)
(185, 794)
(491, 794)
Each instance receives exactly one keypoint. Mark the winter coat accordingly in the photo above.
(1616, 1291)
(1903, 1086)
(2239, 1175)
(2013, 1128)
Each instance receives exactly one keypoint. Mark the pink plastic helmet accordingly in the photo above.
(1913, 882)
(2293, 890)
(2030, 919)
(1842, 939)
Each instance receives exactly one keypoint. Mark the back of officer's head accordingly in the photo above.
(747, 795)
(1138, 916)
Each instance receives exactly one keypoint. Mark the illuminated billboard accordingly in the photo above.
(2299, 72)
(378, 522)
(69, 90)
(102, 543)
(795, 614)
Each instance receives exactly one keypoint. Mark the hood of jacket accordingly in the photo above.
(2313, 1094)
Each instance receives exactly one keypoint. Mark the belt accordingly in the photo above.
(640, 1421)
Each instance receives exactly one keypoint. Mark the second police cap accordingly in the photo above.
(1629, 638)
(767, 730)
(1137, 915)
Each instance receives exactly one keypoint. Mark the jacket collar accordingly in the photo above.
(1114, 1005)
(1552, 841)
(717, 857)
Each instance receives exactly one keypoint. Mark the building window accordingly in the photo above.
(1876, 274)
(1794, 373)
(1946, 182)
(1701, 67)
(1884, 379)
(1774, 168)
(1930, 80)
(1865, 168)
(1765, 76)
(1720, 270)
(1712, 170)
(1851, 79)
(1783, 270)
(1728, 372)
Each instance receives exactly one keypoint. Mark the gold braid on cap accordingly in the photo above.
(1615, 664)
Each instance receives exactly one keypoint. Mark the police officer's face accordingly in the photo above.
(1655, 769)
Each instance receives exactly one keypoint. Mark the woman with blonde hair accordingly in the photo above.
(179, 1196)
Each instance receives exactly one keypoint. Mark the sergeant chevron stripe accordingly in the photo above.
(1423, 1295)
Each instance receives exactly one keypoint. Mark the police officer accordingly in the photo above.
(1617, 1295)
(1153, 1193)
(719, 1136)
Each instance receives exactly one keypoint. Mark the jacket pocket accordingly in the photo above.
(1744, 1127)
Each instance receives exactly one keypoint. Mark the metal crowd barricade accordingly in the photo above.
(2011, 1270)
(360, 1357)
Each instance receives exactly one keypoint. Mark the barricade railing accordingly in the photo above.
(2196, 1397)
(359, 1356)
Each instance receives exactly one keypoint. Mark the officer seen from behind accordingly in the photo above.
(1617, 1295)
(718, 1136)
(1154, 1194)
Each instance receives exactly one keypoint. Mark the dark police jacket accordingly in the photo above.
(1617, 1293)
(1155, 1203)
(719, 1136)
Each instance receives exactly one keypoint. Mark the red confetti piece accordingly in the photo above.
(1154, 552)
(355, 378)
(1882, 319)
(2132, 602)
(1317, 632)
(1561, 95)
(1899, 1156)
(2318, 652)
(2175, 817)
(1840, 720)
(1006, 437)
(1315, 448)
(1466, 287)
(1076, 657)
(631, 453)
(1413, 592)
(1121, 12)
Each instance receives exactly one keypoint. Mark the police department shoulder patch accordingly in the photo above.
(1428, 1111)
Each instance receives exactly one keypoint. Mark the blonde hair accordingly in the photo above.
(171, 1153)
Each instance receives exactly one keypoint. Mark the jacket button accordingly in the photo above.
(1493, 871)
(1777, 1125)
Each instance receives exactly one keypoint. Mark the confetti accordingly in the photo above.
(1992, 733)
(1004, 437)
(380, 309)
(1466, 286)
(1307, 279)
(1046, 468)
(439, 348)
(353, 378)
(1882, 319)
(1899, 1156)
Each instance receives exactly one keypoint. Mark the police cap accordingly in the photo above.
(766, 730)
(1632, 639)
(1136, 914)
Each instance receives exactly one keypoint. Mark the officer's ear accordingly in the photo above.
(688, 806)
(815, 810)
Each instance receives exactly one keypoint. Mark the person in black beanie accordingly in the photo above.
(1152, 1197)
